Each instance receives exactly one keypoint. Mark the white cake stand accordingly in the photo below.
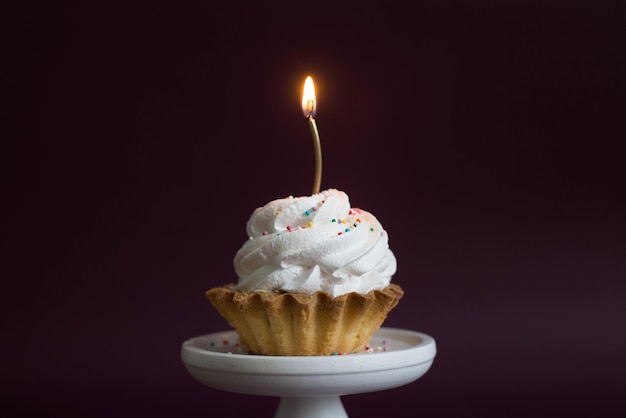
(310, 387)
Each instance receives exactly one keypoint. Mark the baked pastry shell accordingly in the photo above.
(295, 324)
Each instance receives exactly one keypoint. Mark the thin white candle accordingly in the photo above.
(309, 107)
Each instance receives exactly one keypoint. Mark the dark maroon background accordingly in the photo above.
(487, 136)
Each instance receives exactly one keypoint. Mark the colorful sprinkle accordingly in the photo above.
(347, 230)
(310, 224)
(278, 212)
(288, 228)
(307, 212)
(264, 232)
(212, 343)
(372, 229)
(313, 208)
(225, 342)
(339, 233)
(333, 220)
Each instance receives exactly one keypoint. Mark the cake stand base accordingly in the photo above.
(324, 406)
(310, 387)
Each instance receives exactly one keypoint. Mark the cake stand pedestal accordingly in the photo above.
(310, 387)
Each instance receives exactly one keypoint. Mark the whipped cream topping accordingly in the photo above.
(314, 243)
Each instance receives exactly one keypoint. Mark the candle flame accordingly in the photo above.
(308, 98)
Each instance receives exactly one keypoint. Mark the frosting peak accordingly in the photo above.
(314, 243)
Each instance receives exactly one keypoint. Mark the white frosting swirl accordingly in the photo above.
(314, 243)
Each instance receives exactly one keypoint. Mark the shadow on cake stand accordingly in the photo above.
(310, 387)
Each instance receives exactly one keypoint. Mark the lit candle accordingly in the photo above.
(308, 107)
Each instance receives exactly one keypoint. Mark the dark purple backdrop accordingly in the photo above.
(487, 136)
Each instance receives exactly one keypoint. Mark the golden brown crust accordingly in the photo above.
(293, 324)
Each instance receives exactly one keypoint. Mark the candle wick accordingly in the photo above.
(310, 104)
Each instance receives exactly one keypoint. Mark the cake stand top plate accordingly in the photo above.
(394, 357)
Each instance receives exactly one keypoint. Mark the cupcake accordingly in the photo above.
(314, 278)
